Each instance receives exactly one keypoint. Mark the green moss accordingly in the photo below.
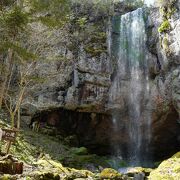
(93, 51)
(109, 173)
(45, 175)
(167, 9)
(8, 177)
(81, 22)
(78, 161)
(167, 12)
(79, 151)
(165, 26)
(168, 169)
(177, 155)
(170, 12)
(165, 44)
(83, 174)
(114, 163)
(28, 178)
(5, 177)
(99, 37)
(51, 169)
(162, 10)
(81, 161)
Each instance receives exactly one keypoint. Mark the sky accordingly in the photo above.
(149, 2)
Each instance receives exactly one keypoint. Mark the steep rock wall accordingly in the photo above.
(82, 83)
(165, 90)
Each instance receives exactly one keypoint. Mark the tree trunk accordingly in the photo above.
(12, 119)
(6, 74)
(19, 119)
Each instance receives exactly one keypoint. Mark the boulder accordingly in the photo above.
(168, 169)
(137, 171)
(109, 173)
(9, 165)
(49, 169)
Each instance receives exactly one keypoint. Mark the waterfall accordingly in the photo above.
(130, 89)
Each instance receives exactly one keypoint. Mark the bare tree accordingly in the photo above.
(13, 104)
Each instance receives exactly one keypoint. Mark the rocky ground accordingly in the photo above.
(47, 157)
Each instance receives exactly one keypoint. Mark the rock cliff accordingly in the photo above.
(79, 71)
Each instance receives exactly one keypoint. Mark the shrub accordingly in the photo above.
(165, 26)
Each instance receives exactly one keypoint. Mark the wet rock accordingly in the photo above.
(136, 173)
(136, 170)
(165, 85)
(165, 116)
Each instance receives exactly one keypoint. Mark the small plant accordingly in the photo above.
(82, 22)
(165, 26)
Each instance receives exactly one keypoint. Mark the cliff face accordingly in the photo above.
(79, 71)
(79, 77)
(165, 90)
(82, 81)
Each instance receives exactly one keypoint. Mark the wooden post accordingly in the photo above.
(9, 135)
(9, 165)
(8, 145)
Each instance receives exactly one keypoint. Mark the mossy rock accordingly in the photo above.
(47, 176)
(77, 161)
(50, 164)
(51, 170)
(74, 174)
(94, 51)
(177, 155)
(168, 169)
(138, 170)
(99, 37)
(85, 161)
(109, 173)
(6, 177)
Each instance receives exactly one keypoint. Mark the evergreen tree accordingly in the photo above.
(16, 17)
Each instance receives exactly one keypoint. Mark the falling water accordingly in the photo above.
(130, 86)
